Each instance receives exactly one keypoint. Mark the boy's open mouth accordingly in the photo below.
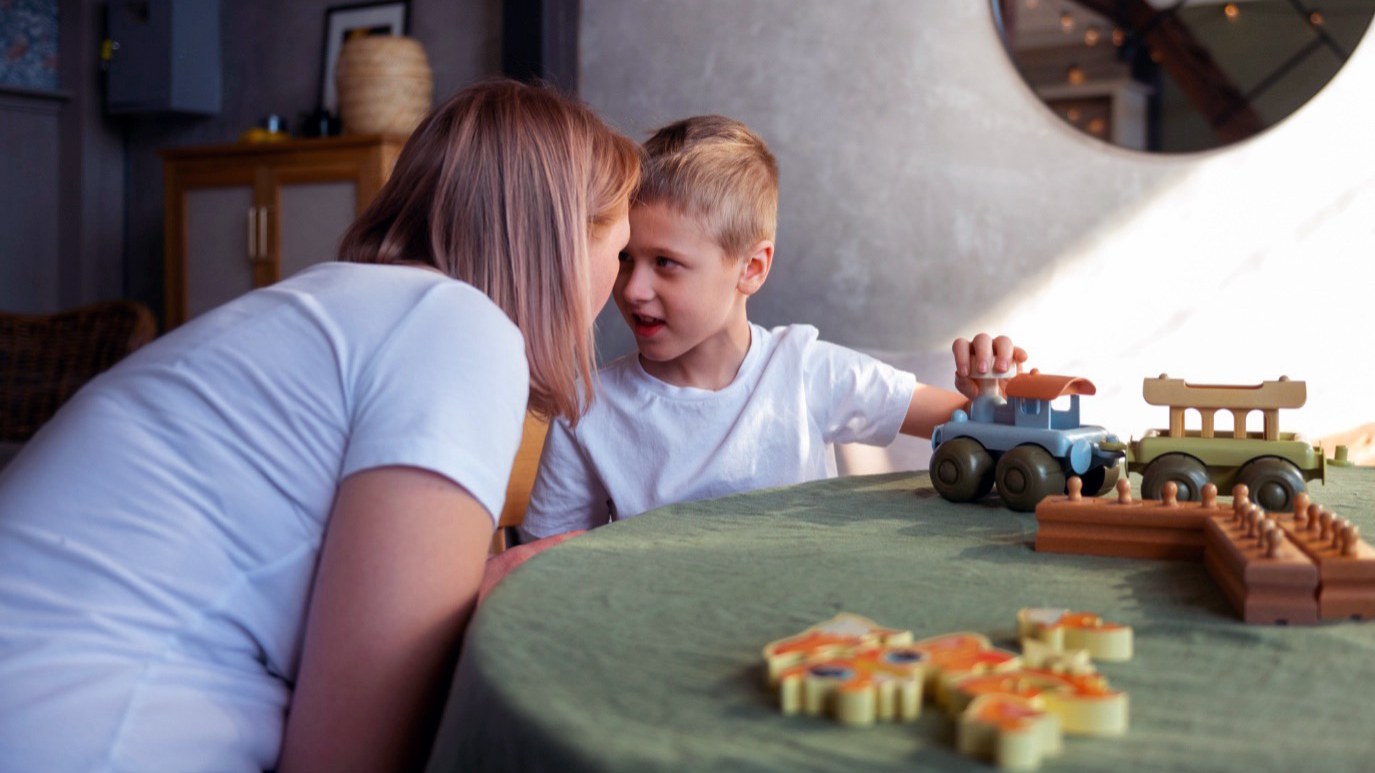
(646, 326)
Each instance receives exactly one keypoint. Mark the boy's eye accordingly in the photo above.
(623, 257)
(663, 262)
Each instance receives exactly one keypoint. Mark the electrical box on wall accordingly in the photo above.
(164, 57)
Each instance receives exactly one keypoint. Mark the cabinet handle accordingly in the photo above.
(262, 233)
(252, 233)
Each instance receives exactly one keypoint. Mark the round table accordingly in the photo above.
(636, 647)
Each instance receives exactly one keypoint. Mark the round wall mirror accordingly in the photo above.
(1178, 76)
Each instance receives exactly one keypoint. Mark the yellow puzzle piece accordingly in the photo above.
(1063, 630)
(851, 668)
(1013, 731)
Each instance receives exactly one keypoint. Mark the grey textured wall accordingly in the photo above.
(927, 194)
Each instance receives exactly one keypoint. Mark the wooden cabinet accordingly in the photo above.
(245, 215)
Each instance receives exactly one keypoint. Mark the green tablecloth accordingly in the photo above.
(636, 647)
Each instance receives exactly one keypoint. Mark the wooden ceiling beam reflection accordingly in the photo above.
(1178, 52)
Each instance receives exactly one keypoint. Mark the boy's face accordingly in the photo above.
(676, 288)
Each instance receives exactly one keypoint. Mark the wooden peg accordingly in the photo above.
(1124, 492)
(1274, 540)
(1170, 491)
(1339, 525)
(1240, 494)
(1314, 510)
(1301, 501)
(1209, 496)
(1075, 486)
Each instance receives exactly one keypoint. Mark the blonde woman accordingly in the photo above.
(256, 543)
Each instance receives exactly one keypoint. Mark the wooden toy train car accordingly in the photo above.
(1024, 445)
(1274, 465)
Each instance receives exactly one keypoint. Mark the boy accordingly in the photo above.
(711, 404)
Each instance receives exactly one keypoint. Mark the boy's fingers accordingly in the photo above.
(983, 353)
(961, 351)
(1002, 353)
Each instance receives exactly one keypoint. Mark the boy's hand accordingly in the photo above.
(984, 355)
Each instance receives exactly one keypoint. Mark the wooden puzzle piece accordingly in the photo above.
(1083, 703)
(857, 688)
(841, 634)
(1013, 731)
(849, 667)
(1265, 576)
(1121, 526)
(954, 656)
(1345, 562)
(1039, 655)
(1064, 630)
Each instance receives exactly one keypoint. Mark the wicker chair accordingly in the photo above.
(45, 358)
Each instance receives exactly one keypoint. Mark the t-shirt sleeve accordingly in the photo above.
(853, 397)
(446, 392)
(567, 495)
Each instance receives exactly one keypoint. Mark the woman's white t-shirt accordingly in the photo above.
(158, 538)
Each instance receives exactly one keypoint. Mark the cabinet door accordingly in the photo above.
(312, 218)
(222, 234)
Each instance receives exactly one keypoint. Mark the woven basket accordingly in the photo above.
(385, 85)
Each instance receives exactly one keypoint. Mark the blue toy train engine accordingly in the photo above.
(1024, 445)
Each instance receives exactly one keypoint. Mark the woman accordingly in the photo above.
(256, 542)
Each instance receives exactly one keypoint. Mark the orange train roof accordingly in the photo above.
(1043, 386)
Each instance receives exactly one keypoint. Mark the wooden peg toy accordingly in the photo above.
(1345, 563)
(1121, 526)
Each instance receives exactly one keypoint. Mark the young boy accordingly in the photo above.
(712, 404)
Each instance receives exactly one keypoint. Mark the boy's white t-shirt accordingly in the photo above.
(158, 538)
(646, 443)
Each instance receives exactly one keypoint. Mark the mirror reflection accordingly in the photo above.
(1179, 76)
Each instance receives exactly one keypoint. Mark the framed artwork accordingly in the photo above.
(343, 22)
(28, 44)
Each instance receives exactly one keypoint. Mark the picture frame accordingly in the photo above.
(345, 21)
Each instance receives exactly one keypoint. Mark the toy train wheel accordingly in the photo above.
(1272, 483)
(1026, 475)
(962, 470)
(1183, 470)
(1100, 480)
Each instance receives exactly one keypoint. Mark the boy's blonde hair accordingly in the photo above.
(715, 169)
(501, 187)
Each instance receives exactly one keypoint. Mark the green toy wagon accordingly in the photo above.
(1274, 465)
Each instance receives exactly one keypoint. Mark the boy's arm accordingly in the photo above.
(568, 495)
(932, 406)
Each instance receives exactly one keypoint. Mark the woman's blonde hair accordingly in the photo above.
(501, 187)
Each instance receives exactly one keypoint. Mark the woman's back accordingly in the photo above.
(169, 581)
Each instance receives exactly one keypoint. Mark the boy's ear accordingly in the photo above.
(758, 260)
